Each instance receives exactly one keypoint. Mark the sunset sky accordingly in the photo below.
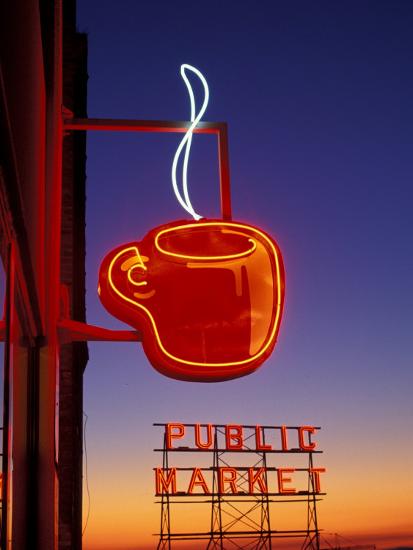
(318, 99)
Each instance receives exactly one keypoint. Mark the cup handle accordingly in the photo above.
(136, 268)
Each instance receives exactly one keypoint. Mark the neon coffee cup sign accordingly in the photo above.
(207, 295)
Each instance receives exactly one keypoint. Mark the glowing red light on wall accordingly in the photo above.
(207, 297)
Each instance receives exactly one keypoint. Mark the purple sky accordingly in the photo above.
(318, 98)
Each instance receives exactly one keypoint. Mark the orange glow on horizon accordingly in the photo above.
(125, 517)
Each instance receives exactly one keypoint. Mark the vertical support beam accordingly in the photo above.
(312, 540)
(216, 540)
(225, 185)
(6, 481)
(54, 213)
(168, 504)
(215, 503)
(165, 535)
(47, 504)
(266, 505)
(314, 505)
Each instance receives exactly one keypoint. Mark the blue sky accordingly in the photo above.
(317, 96)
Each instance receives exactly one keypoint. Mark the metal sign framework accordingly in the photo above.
(74, 331)
(244, 520)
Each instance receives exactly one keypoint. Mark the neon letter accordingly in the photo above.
(198, 442)
(284, 440)
(260, 445)
(162, 484)
(198, 479)
(169, 435)
(230, 437)
(255, 476)
(231, 479)
(315, 473)
(281, 480)
(304, 446)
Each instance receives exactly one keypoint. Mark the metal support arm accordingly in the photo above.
(220, 129)
(75, 331)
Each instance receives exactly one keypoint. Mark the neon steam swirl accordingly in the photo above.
(186, 142)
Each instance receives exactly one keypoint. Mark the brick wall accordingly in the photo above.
(73, 357)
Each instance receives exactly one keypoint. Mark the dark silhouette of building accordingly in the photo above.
(43, 77)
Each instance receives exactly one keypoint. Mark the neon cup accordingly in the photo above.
(207, 297)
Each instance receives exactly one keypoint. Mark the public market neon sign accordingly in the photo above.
(262, 480)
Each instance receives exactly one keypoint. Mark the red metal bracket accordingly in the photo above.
(75, 331)
(166, 126)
